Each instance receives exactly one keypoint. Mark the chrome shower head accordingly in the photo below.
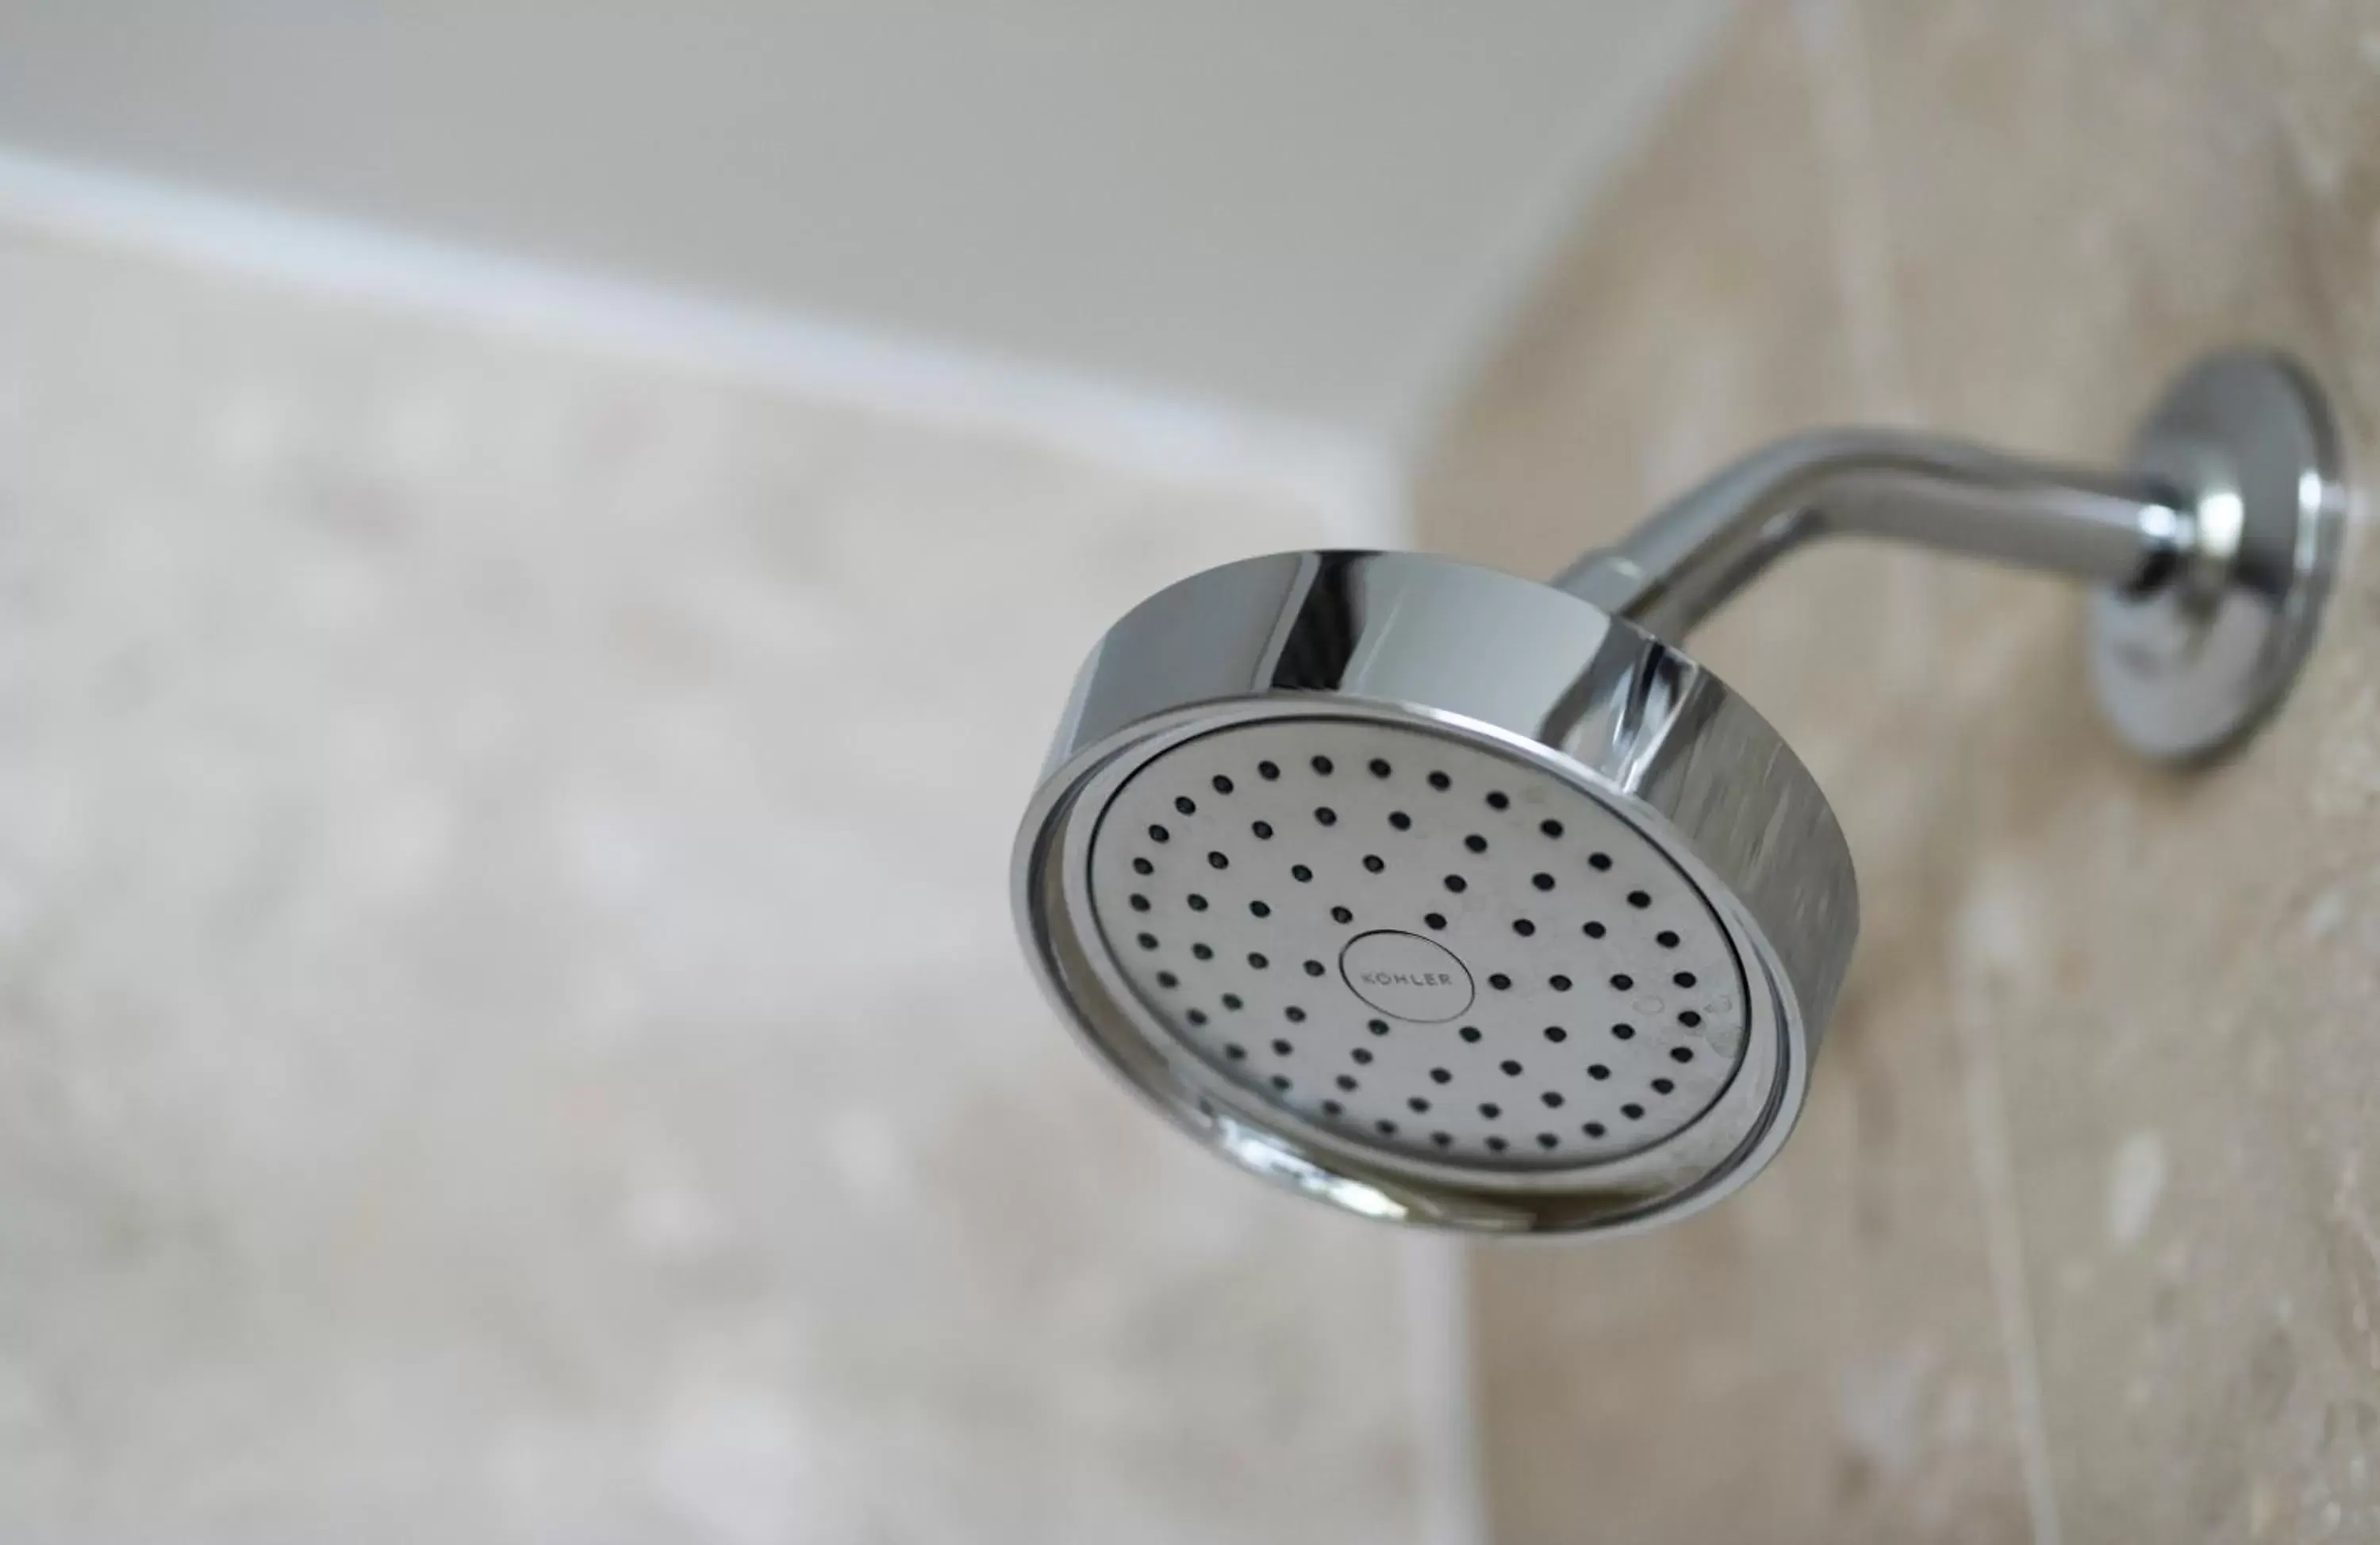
(1441, 893)
(1454, 898)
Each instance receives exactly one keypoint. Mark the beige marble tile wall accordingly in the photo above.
(2081, 1236)
(509, 1027)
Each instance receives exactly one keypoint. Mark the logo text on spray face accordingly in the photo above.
(1406, 976)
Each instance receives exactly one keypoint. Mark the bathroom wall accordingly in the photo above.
(509, 1025)
(2080, 1238)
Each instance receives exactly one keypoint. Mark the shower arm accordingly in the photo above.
(2212, 547)
(2125, 530)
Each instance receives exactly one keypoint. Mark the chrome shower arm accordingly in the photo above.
(2120, 529)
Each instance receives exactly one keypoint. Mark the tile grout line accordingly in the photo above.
(1450, 1499)
(2004, 1247)
(1845, 132)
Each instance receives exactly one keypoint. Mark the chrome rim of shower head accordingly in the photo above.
(1436, 893)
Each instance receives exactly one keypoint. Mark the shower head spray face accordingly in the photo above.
(1436, 892)
(1454, 899)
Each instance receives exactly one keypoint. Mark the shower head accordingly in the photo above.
(1441, 893)
(1454, 898)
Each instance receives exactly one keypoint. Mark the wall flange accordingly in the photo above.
(2185, 668)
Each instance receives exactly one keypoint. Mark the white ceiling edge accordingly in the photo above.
(1353, 467)
(1352, 480)
(1310, 213)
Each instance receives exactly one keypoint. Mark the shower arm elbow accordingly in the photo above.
(2123, 530)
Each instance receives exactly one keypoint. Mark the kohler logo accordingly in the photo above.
(1406, 976)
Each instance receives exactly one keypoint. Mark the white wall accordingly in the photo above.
(1306, 211)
